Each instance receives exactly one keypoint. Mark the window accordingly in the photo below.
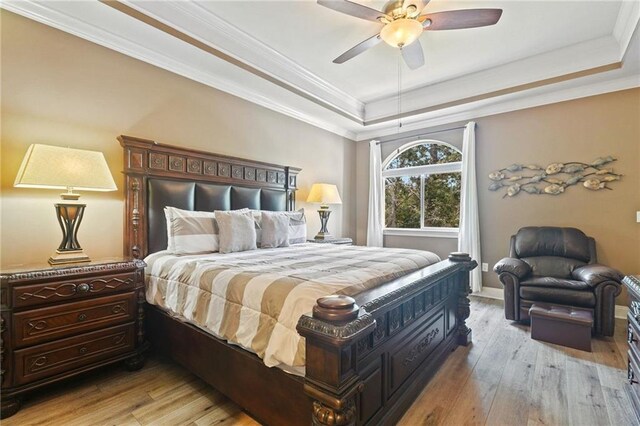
(422, 189)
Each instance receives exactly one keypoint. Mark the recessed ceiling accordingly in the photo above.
(313, 36)
(279, 54)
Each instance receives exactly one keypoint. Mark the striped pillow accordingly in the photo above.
(297, 226)
(190, 232)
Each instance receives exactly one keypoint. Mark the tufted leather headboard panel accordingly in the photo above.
(203, 197)
(158, 175)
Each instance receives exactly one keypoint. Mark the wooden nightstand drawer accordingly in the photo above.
(67, 354)
(45, 324)
(72, 289)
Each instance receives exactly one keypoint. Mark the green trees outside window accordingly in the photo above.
(422, 187)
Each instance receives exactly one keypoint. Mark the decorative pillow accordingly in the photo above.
(190, 232)
(275, 229)
(237, 231)
(297, 226)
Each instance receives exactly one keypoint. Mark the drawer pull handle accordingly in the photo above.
(117, 309)
(82, 317)
(83, 288)
(83, 350)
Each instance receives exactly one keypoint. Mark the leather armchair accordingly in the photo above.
(559, 266)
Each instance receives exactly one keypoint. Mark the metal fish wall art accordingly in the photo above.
(555, 178)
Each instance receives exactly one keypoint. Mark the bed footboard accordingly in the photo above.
(366, 365)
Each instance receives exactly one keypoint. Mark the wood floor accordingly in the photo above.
(507, 379)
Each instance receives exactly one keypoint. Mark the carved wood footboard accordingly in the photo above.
(369, 369)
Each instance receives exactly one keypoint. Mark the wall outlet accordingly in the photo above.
(638, 217)
(485, 267)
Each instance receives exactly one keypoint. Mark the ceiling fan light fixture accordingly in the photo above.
(401, 32)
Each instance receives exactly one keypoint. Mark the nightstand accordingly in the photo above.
(633, 342)
(339, 241)
(57, 322)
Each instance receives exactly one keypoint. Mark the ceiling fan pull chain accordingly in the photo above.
(399, 90)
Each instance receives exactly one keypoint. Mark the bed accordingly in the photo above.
(367, 354)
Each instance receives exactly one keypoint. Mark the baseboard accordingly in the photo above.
(498, 293)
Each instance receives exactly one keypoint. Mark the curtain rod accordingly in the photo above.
(420, 135)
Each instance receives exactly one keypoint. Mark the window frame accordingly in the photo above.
(422, 171)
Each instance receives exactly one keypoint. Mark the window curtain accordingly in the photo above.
(469, 239)
(376, 200)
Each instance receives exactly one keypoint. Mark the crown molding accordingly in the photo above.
(628, 18)
(507, 103)
(199, 22)
(575, 61)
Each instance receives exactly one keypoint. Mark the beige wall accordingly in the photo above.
(61, 90)
(579, 130)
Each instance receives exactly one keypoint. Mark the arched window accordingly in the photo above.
(422, 187)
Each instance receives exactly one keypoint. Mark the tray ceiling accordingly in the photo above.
(279, 54)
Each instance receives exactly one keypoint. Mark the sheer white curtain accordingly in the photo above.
(376, 206)
(469, 239)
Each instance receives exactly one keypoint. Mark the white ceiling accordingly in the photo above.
(313, 35)
(279, 54)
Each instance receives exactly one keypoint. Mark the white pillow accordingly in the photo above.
(190, 232)
(237, 231)
(275, 229)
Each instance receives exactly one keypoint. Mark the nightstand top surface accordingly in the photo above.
(71, 268)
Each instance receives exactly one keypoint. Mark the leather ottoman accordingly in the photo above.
(562, 325)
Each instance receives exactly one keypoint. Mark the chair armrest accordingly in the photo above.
(595, 274)
(513, 266)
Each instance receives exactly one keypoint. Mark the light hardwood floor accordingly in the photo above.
(507, 379)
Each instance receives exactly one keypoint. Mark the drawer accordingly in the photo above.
(56, 357)
(72, 289)
(45, 324)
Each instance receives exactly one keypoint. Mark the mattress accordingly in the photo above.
(254, 298)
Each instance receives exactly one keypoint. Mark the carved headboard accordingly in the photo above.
(158, 175)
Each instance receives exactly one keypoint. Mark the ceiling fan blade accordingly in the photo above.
(413, 55)
(458, 19)
(419, 5)
(353, 9)
(358, 49)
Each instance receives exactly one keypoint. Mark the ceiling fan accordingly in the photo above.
(404, 23)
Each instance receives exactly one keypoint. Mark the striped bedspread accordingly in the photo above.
(254, 298)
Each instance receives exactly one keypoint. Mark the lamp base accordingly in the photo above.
(69, 217)
(68, 256)
(324, 234)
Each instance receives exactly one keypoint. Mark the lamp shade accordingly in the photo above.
(324, 193)
(54, 167)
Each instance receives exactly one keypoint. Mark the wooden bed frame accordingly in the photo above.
(366, 359)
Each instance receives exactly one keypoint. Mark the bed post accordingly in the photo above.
(331, 381)
(464, 309)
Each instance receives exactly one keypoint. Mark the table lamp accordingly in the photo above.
(324, 194)
(53, 167)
